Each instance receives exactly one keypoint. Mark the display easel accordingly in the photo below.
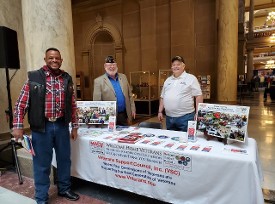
(210, 137)
(12, 142)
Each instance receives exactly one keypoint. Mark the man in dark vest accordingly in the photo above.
(48, 97)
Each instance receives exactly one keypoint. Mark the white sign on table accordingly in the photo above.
(95, 112)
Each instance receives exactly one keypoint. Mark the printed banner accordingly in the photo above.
(140, 164)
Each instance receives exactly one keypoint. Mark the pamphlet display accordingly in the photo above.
(191, 131)
(112, 123)
(223, 121)
(95, 112)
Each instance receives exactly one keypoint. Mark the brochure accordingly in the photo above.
(191, 131)
(112, 123)
(132, 139)
(27, 144)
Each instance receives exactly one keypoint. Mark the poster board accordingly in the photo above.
(95, 112)
(224, 121)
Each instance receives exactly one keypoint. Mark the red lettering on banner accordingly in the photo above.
(140, 180)
(151, 183)
(158, 169)
(96, 144)
(106, 158)
(172, 171)
(120, 176)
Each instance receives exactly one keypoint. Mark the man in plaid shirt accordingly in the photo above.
(49, 99)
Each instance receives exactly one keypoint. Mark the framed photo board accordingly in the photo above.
(95, 112)
(224, 121)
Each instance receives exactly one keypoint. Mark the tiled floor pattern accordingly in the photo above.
(9, 180)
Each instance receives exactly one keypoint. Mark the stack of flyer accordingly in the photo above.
(27, 144)
(131, 138)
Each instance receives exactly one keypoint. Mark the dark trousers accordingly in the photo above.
(56, 136)
(122, 119)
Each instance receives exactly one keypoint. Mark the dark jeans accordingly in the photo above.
(179, 123)
(56, 136)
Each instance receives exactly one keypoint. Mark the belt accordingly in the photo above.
(55, 119)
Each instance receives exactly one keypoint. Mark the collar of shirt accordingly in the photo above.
(48, 71)
(116, 76)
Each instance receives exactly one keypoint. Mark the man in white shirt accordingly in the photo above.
(177, 97)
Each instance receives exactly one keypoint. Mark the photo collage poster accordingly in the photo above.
(224, 121)
(95, 112)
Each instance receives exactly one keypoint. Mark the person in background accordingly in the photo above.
(114, 86)
(177, 97)
(257, 82)
(262, 80)
(48, 97)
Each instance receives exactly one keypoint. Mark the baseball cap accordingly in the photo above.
(178, 58)
(110, 59)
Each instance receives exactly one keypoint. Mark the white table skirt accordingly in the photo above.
(226, 174)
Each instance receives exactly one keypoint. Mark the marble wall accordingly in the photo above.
(11, 17)
(39, 25)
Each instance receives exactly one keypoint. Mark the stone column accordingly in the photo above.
(48, 24)
(227, 51)
(250, 64)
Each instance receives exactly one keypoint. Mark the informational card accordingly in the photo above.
(169, 145)
(224, 121)
(235, 150)
(207, 149)
(95, 112)
(112, 123)
(181, 147)
(191, 131)
(27, 144)
(195, 148)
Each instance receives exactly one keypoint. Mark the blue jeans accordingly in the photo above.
(179, 123)
(56, 136)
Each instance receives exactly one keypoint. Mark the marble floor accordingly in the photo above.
(261, 127)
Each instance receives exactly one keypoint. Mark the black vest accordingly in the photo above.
(36, 111)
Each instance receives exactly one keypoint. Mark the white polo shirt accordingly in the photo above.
(178, 94)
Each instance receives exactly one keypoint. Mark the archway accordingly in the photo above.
(102, 47)
(102, 39)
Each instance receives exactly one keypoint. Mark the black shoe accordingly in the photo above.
(70, 195)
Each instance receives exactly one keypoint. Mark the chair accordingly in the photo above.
(154, 125)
